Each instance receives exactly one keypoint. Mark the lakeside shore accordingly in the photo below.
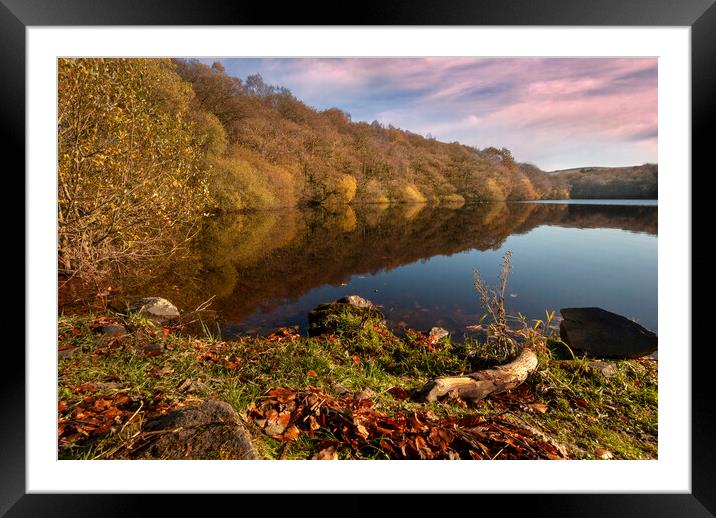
(352, 393)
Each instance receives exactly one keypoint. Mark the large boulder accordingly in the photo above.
(211, 430)
(156, 309)
(602, 333)
(322, 318)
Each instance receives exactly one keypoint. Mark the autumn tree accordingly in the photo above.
(215, 92)
(132, 174)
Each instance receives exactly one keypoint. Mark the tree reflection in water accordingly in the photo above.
(266, 260)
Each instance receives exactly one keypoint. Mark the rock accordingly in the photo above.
(156, 309)
(321, 319)
(438, 333)
(601, 333)
(209, 431)
(114, 330)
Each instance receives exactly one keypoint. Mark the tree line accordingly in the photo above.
(641, 181)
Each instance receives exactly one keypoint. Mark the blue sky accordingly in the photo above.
(554, 112)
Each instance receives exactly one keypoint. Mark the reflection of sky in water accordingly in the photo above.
(552, 267)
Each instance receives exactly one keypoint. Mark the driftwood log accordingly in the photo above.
(480, 384)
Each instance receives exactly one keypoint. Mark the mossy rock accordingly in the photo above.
(342, 314)
(211, 430)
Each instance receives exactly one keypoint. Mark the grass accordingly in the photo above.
(591, 411)
(585, 411)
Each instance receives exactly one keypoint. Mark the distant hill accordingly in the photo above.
(639, 181)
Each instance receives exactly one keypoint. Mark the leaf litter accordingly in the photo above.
(352, 425)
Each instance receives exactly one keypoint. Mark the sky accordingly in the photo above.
(556, 113)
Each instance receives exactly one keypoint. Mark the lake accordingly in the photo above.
(268, 269)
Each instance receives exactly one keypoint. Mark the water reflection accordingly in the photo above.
(268, 269)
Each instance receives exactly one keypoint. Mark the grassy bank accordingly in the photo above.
(367, 380)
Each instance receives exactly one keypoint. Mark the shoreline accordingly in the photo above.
(112, 384)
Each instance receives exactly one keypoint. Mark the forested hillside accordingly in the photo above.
(612, 182)
(281, 152)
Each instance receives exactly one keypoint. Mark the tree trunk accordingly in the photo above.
(480, 384)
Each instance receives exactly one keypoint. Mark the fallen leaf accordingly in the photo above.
(101, 404)
(276, 423)
(284, 418)
(361, 429)
(581, 402)
(422, 448)
(602, 453)
(282, 395)
(291, 433)
(470, 421)
(121, 399)
(112, 412)
(163, 371)
(329, 453)
(312, 424)
(540, 408)
(312, 373)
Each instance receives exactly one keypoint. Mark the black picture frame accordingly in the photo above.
(700, 15)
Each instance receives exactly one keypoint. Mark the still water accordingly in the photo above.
(268, 269)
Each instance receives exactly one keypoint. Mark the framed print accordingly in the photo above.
(383, 137)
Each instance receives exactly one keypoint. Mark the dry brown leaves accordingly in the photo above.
(520, 397)
(93, 416)
(99, 413)
(224, 354)
(353, 423)
(101, 321)
(217, 354)
(284, 334)
(421, 339)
